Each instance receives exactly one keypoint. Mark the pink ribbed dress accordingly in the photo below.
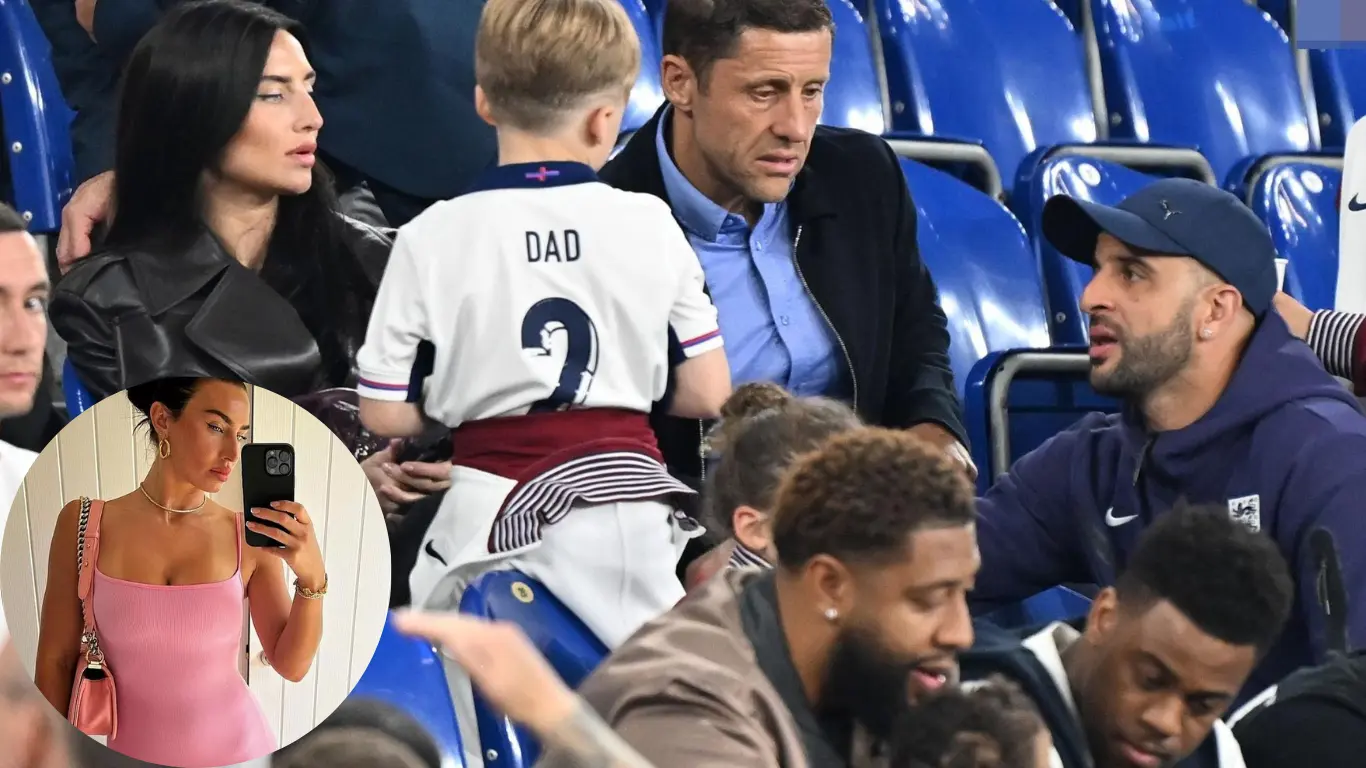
(174, 652)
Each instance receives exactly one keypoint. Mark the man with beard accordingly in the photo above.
(1222, 406)
(1163, 653)
(809, 665)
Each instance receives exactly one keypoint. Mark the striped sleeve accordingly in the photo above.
(1335, 338)
(693, 317)
(389, 358)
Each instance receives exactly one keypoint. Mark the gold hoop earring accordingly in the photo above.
(164, 448)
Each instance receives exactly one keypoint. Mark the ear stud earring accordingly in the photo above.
(1206, 333)
(831, 614)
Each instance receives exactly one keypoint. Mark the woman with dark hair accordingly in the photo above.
(226, 255)
(158, 603)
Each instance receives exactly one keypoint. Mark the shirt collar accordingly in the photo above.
(698, 214)
(534, 176)
(744, 557)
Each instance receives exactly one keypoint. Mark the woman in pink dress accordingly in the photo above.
(169, 580)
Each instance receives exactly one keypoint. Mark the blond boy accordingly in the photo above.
(540, 317)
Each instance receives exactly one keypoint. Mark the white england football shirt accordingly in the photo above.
(543, 289)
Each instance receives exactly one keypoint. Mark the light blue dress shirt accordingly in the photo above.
(771, 325)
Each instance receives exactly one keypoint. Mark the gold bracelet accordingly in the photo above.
(309, 594)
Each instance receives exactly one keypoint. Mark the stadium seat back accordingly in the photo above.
(980, 260)
(646, 94)
(1298, 202)
(853, 97)
(1217, 75)
(570, 647)
(1064, 279)
(1339, 76)
(407, 673)
(1025, 86)
(78, 399)
(1056, 604)
(988, 281)
(36, 122)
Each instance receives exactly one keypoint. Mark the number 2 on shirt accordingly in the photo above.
(559, 315)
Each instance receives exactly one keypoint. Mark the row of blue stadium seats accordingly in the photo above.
(1217, 76)
(1011, 300)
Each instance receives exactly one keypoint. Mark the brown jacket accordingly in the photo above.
(686, 691)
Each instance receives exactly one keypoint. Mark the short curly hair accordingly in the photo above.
(989, 725)
(861, 494)
(1228, 579)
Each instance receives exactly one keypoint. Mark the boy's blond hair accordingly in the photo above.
(539, 60)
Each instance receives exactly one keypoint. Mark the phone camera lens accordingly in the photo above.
(271, 463)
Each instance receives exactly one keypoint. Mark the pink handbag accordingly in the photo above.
(94, 708)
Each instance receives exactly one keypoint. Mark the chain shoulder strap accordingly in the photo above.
(80, 536)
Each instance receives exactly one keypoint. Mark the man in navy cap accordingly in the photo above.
(1222, 406)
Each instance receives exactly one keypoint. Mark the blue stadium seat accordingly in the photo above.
(1025, 86)
(1339, 78)
(77, 398)
(36, 119)
(646, 95)
(853, 99)
(1056, 604)
(980, 258)
(656, 10)
(1081, 177)
(1298, 202)
(407, 673)
(1214, 74)
(572, 650)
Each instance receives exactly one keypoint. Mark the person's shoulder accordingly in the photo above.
(696, 651)
(361, 234)
(14, 456)
(626, 206)
(100, 268)
(850, 152)
(1317, 423)
(369, 244)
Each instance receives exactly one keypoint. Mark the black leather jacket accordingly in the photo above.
(129, 316)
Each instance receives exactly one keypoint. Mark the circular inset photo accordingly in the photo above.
(195, 572)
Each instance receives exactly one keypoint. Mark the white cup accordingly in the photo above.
(1280, 273)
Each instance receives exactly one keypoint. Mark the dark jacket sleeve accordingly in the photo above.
(89, 81)
(920, 386)
(90, 342)
(120, 25)
(1027, 531)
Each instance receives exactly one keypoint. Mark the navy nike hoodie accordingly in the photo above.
(1284, 449)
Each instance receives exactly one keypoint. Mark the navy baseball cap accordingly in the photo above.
(1178, 217)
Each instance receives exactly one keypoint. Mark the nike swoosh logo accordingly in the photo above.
(1353, 205)
(432, 551)
(1115, 522)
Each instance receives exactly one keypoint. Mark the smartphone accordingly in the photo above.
(267, 476)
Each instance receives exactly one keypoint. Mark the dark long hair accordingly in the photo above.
(186, 91)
